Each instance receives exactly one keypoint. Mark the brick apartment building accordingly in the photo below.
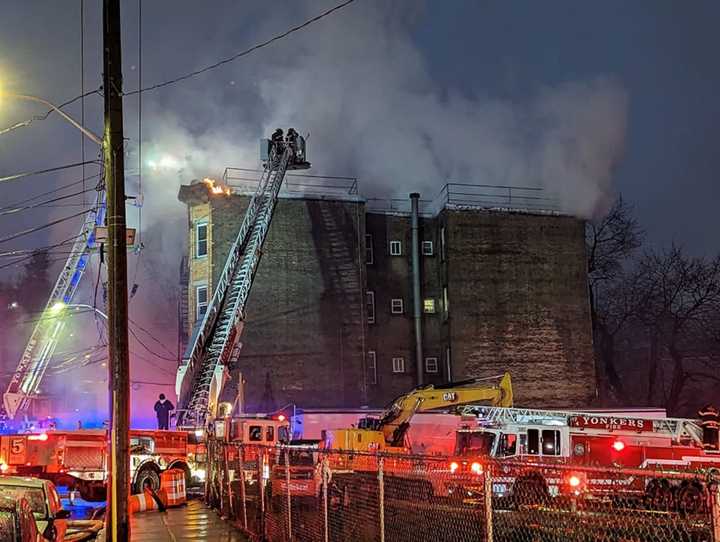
(331, 320)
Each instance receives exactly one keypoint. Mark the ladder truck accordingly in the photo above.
(203, 371)
(25, 382)
(586, 454)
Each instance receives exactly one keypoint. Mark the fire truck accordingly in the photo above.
(78, 459)
(610, 451)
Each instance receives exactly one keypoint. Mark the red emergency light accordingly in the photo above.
(618, 445)
(41, 436)
(281, 418)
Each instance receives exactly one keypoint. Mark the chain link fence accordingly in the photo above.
(295, 493)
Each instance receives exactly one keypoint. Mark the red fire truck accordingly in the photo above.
(610, 452)
(78, 459)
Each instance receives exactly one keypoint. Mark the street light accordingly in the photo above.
(59, 111)
(59, 307)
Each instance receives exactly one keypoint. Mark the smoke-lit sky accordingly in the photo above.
(583, 99)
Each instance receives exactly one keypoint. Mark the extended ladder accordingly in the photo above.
(25, 382)
(201, 376)
(675, 428)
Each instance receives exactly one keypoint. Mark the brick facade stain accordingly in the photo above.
(515, 286)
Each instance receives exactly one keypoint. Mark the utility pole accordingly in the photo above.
(117, 518)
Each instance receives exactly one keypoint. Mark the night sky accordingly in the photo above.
(585, 99)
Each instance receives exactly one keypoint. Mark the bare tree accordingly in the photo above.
(610, 242)
(680, 305)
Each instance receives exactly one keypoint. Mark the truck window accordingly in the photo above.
(533, 442)
(283, 435)
(142, 445)
(508, 444)
(474, 442)
(255, 433)
(270, 433)
(550, 442)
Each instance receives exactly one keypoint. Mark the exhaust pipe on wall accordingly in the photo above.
(417, 300)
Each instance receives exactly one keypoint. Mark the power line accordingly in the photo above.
(146, 347)
(53, 191)
(49, 170)
(157, 341)
(242, 53)
(44, 226)
(45, 203)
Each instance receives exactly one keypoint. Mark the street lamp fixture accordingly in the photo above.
(55, 108)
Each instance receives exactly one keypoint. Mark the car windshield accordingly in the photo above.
(475, 442)
(7, 526)
(35, 496)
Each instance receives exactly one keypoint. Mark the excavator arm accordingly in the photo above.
(396, 420)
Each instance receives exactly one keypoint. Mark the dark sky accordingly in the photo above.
(585, 99)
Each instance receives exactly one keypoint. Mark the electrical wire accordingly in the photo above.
(155, 339)
(43, 171)
(242, 53)
(43, 227)
(53, 191)
(146, 347)
(46, 203)
(18, 262)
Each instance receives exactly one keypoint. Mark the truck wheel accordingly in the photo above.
(659, 494)
(690, 498)
(531, 489)
(149, 474)
(92, 492)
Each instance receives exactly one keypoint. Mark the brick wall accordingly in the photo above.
(304, 323)
(518, 302)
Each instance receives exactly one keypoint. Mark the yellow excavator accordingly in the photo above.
(388, 433)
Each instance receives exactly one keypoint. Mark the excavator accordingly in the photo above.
(388, 433)
(360, 449)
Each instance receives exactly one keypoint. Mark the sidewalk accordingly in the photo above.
(187, 523)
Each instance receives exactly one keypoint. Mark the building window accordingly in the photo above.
(429, 306)
(398, 365)
(370, 301)
(369, 254)
(372, 366)
(201, 301)
(446, 301)
(201, 240)
(395, 248)
(442, 244)
(431, 365)
(427, 248)
(396, 306)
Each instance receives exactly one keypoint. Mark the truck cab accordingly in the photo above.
(530, 442)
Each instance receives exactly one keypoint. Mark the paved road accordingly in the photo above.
(187, 523)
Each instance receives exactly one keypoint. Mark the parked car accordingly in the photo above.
(17, 523)
(44, 501)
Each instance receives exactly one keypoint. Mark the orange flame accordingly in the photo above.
(216, 188)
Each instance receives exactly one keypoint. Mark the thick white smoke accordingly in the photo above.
(361, 88)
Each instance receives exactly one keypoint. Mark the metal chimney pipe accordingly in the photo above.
(417, 307)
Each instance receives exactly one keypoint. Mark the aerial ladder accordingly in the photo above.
(215, 343)
(25, 382)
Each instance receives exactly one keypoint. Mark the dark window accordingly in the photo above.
(508, 444)
(255, 433)
(427, 248)
(533, 442)
(270, 433)
(550, 442)
(201, 240)
(395, 248)
(372, 366)
(370, 300)
(369, 254)
(201, 301)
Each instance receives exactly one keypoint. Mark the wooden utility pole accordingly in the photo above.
(117, 518)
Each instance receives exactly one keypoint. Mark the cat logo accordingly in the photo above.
(449, 396)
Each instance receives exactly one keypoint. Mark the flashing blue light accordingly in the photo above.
(66, 298)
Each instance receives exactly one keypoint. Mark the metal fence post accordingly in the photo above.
(241, 461)
(714, 489)
(287, 490)
(487, 486)
(208, 470)
(261, 488)
(325, 481)
(226, 479)
(381, 491)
